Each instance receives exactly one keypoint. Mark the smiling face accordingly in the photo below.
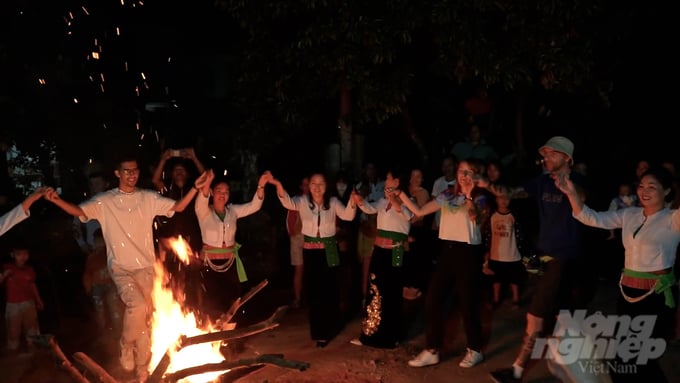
(220, 193)
(651, 192)
(128, 175)
(317, 187)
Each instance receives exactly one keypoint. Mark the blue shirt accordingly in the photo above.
(560, 235)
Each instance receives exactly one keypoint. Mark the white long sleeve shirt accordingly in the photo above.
(317, 222)
(216, 232)
(649, 245)
(389, 219)
(12, 217)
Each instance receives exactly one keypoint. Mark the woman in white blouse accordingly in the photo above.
(318, 212)
(223, 271)
(650, 235)
(382, 324)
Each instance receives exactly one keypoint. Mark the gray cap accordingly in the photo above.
(559, 144)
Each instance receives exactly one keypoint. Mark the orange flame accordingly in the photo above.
(170, 322)
(182, 248)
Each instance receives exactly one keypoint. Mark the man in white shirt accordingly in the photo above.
(126, 214)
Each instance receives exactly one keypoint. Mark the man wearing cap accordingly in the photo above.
(560, 239)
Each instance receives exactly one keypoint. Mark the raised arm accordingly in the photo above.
(262, 183)
(190, 154)
(198, 185)
(365, 206)
(36, 195)
(157, 178)
(21, 211)
(429, 208)
(283, 195)
(563, 182)
(70, 208)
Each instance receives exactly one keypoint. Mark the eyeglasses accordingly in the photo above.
(466, 173)
(130, 172)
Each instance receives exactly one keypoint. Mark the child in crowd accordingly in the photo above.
(626, 197)
(505, 242)
(23, 299)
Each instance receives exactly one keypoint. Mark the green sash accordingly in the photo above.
(664, 282)
(399, 240)
(240, 270)
(331, 246)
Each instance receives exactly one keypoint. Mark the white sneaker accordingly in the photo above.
(425, 358)
(471, 359)
(127, 357)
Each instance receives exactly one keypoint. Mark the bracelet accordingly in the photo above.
(260, 187)
(468, 198)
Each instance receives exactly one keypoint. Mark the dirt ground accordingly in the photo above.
(339, 362)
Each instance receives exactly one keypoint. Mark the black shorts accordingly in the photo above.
(508, 272)
(559, 288)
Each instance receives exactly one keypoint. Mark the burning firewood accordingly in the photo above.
(267, 324)
(226, 317)
(270, 359)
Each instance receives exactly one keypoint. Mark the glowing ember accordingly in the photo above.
(170, 322)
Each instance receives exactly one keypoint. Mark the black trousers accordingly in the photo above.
(323, 295)
(458, 270)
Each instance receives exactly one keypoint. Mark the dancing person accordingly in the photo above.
(382, 325)
(318, 211)
(126, 214)
(650, 235)
(560, 241)
(463, 208)
(223, 272)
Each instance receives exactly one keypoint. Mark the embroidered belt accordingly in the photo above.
(395, 241)
(327, 243)
(654, 283)
(228, 253)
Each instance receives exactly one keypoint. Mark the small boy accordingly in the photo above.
(23, 299)
(505, 243)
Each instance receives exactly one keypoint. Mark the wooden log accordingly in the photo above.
(62, 360)
(94, 368)
(226, 317)
(267, 359)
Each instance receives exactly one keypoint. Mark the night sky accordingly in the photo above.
(72, 54)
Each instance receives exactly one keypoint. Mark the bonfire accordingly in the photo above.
(183, 350)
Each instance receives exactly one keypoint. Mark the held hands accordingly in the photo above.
(273, 180)
(204, 179)
(51, 195)
(265, 178)
(356, 198)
